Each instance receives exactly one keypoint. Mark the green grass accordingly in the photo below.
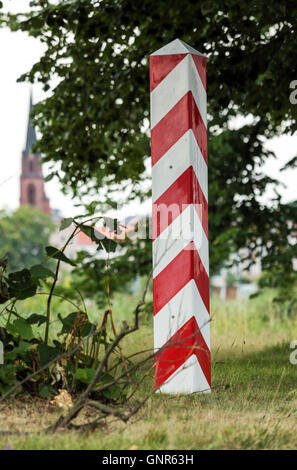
(253, 404)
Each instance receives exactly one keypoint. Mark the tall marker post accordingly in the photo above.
(180, 219)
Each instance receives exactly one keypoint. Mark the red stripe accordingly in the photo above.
(161, 66)
(200, 202)
(183, 116)
(185, 190)
(185, 266)
(200, 64)
(185, 342)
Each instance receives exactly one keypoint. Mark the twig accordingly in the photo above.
(83, 399)
(107, 409)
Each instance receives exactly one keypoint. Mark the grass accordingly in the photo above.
(253, 404)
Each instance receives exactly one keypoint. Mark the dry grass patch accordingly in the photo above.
(253, 404)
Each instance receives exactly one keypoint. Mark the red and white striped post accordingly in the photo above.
(180, 219)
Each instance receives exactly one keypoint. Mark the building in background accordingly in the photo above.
(32, 179)
(238, 281)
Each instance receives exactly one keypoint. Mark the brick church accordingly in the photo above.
(32, 179)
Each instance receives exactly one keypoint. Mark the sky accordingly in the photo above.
(18, 52)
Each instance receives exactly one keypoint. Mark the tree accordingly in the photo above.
(95, 124)
(23, 236)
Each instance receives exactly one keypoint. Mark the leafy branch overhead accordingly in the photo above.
(95, 125)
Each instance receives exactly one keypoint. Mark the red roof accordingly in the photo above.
(83, 239)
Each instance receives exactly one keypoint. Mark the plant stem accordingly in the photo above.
(49, 300)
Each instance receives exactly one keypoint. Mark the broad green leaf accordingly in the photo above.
(82, 326)
(21, 284)
(40, 272)
(7, 374)
(22, 328)
(65, 223)
(46, 391)
(19, 350)
(47, 353)
(68, 322)
(114, 392)
(35, 318)
(87, 329)
(55, 253)
(85, 375)
(98, 237)
(109, 245)
(92, 233)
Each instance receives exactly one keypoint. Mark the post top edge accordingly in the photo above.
(177, 46)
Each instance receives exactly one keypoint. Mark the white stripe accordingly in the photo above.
(188, 378)
(184, 153)
(184, 229)
(177, 47)
(182, 79)
(183, 306)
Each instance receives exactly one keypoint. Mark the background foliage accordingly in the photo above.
(95, 124)
(23, 236)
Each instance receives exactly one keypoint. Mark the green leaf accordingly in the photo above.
(66, 223)
(40, 272)
(46, 391)
(47, 353)
(68, 322)
(92, 233)
(82, 326)
(85, 375)
(22, 328)
(7, 374)
(49, 177)
(109, 245)
(87, 329)
(21, 284)
(35, 318)
(96, 236)
(19, 350)
(106, 379)
(114, 392)
(53, 252)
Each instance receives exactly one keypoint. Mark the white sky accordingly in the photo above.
(18, 53)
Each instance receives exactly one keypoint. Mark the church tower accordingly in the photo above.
(32, 180)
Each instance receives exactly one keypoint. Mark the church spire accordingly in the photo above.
(32, 180)
(31, 134)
